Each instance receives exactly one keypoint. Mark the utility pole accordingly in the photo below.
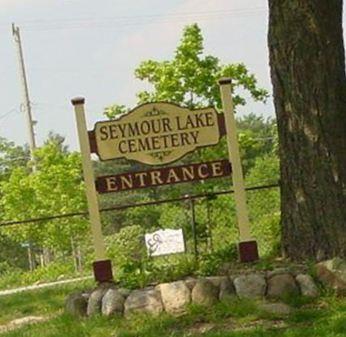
(27, 110)
(25, 92)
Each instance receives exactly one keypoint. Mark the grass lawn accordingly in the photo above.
(41, 302)
(325, 318)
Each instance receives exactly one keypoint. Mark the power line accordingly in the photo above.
(120, 22)
(8, 113)
(151, 16)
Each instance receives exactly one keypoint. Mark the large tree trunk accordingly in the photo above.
(308, 75)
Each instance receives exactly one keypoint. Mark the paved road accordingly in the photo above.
(43, 285)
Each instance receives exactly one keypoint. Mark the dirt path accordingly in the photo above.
(19, 322)
(43, 285)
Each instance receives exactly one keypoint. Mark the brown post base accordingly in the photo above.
(248, 251)
(103, 271)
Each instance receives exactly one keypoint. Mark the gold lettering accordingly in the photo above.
(172, 175)
(156, 178)
(141, 176)
(200, 172)
(126, 182)
(111, 184)
(188, 173)
(217, 169)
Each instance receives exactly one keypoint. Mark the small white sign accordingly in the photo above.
(164, 242)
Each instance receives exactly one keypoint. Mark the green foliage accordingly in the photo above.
(134, 268)
(55, 188)
(127, 246)
(264, 205)
(210, 263)
(114, 111)
(15, 277)
(127, 249)
(11, 156)
(191, 78)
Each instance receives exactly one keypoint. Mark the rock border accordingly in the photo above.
(174, 297)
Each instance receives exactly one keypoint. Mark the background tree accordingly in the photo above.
(189, 79)
(11, 156)
(308, 75)
(55, 187)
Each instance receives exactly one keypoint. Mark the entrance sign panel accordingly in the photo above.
(157, 133)
(163, 176)
(165, 242)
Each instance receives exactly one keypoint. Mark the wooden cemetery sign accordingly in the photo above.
(163, 176)
(158, 134)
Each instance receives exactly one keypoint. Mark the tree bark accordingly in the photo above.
(308, 75)
(30, 258)
(74, 255)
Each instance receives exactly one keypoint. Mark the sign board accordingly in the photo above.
(165, 242)
(156, 133)
(163, 176)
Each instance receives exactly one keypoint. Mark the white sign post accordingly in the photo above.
(102, 266)
(165, 242)
(248, 250)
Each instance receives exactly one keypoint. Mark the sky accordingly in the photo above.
(90, 48)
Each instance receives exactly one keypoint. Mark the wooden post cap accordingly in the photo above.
(78, 100)
(225, 80)
(248, 251)
(103, 271)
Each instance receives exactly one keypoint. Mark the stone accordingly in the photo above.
(144, 300)
(112, 303)
(332, 273)
(204, 293)
(250, 286)
(278, 308)
(307, 285)
(278, 271)
(226, 290)
(225, 268)
(216, 280)
(124, 292)
(281, 286)
(106, 285)
(175, 296)
(190, 282)
(95, 301)
(76, 304)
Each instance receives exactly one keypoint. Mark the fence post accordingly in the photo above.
(248, 250)
(193, 226)
(102, 266)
